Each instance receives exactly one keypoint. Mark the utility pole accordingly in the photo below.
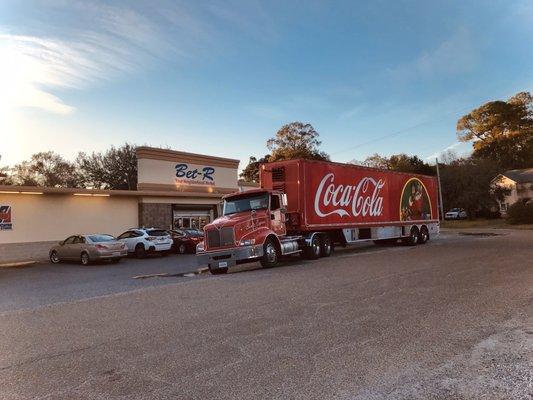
(440, 190)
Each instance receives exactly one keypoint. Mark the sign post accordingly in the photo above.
(440, 191)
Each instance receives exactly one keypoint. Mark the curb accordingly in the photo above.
(18, 264)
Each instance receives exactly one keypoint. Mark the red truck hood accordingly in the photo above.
(235, 219)
(230, 220)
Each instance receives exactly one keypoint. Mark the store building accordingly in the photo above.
(175, 189)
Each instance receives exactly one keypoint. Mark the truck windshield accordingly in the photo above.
(248, 203)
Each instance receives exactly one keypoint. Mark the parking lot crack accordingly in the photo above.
(55, 355)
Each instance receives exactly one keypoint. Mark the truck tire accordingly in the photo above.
(270, 254)
(326, 247)
(413, 237)
(424, 235)
(313, 251)
(217, 271)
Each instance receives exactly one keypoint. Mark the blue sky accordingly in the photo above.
(220, 78)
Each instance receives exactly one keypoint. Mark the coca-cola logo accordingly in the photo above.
(361, 199)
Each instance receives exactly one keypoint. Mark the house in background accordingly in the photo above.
(520, 185)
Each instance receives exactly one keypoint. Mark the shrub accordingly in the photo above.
(520, 213)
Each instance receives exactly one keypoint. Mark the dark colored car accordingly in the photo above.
(185, 240)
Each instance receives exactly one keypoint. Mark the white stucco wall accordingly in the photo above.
(52, 217)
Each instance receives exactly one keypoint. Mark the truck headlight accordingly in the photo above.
(247, 242)
(200, 247)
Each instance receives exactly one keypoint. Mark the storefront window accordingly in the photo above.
(191, 221)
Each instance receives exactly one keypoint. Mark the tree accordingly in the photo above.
(45, 169)
(296, 140)
(399, 162)
(4, 175)
(114, 169)
(251, 172)
(374, 161)
(466, 183)
(502, 131)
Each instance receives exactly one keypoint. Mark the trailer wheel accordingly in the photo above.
(413, 237)
(327, 247)
(313, 251)
(270, 254)
(424, 235)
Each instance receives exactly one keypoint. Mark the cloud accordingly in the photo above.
(115, 41)
(441, 152)
(455, 55)
(75, 44)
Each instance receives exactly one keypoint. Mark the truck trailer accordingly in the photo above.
(308, 207)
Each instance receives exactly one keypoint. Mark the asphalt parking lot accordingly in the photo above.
(452, 319)
(46, 283)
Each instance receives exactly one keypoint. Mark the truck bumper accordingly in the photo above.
(229, 257)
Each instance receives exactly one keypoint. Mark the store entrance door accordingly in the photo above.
(193, 219)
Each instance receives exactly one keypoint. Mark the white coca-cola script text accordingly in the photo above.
(361, 199)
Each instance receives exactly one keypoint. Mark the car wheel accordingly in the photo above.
(54, 257)
(140, 251)
(182, 249)
(412, 239)
(84, 258)
(270, 254)
(217, 271)
(423, 236)
(326, 247)
(115, 260)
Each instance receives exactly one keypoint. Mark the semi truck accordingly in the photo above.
(309, 207)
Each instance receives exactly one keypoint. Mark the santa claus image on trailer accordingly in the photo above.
(415, 205)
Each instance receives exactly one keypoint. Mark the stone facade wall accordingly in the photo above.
(155, 215)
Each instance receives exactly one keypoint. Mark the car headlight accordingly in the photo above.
(247, 242)
(200, 247)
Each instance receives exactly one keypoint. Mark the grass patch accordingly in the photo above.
(498, 223)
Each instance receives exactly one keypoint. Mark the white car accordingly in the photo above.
(456, 213)
(146, 240)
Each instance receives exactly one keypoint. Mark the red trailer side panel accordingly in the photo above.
(329, 195)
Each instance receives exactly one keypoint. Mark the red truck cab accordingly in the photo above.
(249, 229)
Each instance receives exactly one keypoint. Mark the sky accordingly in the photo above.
(220, 78)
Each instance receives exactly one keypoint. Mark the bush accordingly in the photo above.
(520, 213)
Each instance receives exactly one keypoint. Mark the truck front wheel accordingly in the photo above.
(270, 254)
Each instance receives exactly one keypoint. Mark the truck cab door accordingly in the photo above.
(277, 216)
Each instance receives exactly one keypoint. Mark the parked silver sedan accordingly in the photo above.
(88, 248)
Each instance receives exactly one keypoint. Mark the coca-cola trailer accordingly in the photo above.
(309, 207)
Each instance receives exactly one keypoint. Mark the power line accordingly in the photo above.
(463, 110)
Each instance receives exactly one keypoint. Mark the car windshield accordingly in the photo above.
(194, 232)
(241, 204)
(157, 232)
(100, 238)
(454, 210)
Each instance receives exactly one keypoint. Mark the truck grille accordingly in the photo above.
(220, 238)
(278, 174)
